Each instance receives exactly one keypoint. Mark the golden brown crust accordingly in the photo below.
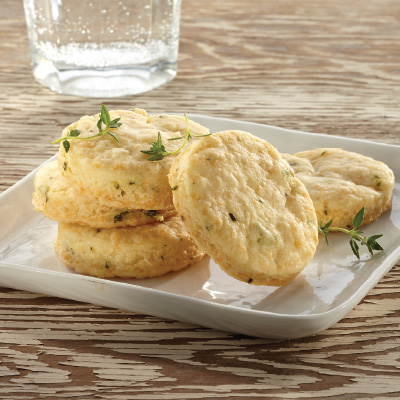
(136, 252)
(58, 199)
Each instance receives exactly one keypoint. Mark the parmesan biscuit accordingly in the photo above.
(117, 173)
(341, 182)
(244, 207)
(59, 200)
(137, 252)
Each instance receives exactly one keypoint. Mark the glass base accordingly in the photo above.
(104, 83)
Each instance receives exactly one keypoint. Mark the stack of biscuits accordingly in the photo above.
(230, 194)
(114, 207)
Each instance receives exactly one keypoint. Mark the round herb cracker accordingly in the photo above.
(243, 205)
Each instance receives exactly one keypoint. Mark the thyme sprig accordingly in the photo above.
(158, 151)
(104, 119)
(355, 235)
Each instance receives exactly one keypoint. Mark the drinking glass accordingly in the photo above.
(102, 48)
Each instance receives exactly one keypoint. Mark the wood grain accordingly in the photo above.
(322, 66)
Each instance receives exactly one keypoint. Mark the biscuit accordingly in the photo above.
(243, 206)
(60, 201)
(136, 252)
(117, 173)
(341, 182)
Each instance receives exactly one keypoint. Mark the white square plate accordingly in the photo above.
(330, 286)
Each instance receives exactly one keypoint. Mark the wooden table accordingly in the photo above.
(320, 66)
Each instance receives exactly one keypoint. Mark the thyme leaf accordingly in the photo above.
(355, 235)
(105, 119)
(158, 151)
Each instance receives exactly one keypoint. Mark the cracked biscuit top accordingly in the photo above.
(117, 173)
(341, 182)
